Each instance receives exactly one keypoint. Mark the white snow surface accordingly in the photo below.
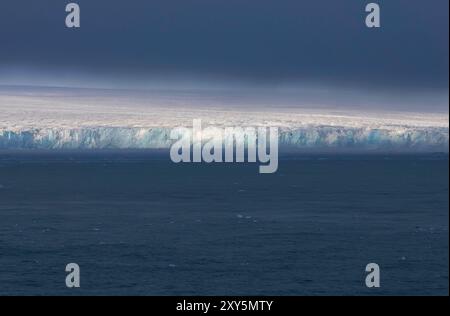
(97, 119)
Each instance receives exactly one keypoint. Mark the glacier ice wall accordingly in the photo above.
(397, 139)
(93, 119)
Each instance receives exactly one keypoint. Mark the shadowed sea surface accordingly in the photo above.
(138, 224)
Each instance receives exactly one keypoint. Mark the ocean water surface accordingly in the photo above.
(138, 224)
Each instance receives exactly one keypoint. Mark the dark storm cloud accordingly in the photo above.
(312, 40)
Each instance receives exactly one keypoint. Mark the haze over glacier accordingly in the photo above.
(65, 118)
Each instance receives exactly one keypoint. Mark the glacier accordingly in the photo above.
(70, 119)
(312, 138)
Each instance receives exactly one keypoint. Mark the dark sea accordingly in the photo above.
(138, 224)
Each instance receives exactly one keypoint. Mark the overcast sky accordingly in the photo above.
(252, 40)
